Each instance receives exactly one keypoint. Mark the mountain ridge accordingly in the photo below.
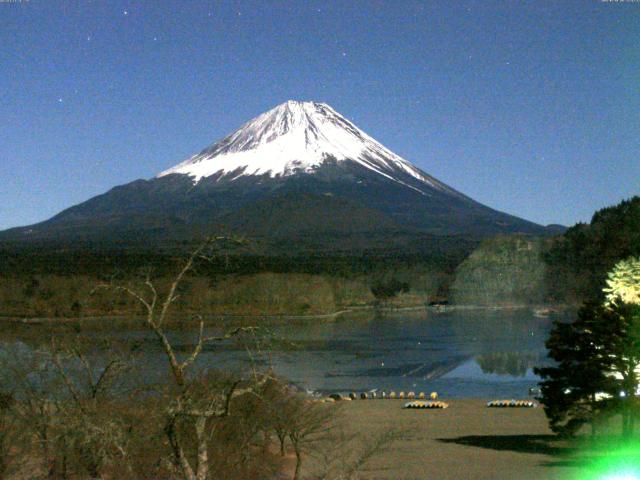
(305, 152)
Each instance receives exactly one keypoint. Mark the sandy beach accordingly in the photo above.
(465, 441)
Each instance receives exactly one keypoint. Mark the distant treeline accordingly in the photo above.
(59, 282)
(579, 260)
(443, 253)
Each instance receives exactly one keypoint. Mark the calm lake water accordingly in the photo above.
(464, 353)
(458, 354)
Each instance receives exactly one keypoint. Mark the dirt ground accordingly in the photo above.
(465, 441)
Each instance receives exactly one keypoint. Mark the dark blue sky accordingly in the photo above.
(532, 108)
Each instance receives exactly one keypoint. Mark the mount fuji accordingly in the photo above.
(301, 172)
(298, 137)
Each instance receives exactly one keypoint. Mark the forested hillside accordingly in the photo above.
(579, 260)
(503, 271)
(567, 269)
(59, 282)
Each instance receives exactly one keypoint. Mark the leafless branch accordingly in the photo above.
(63, 374)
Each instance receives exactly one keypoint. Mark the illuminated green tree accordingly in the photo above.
(623, 282)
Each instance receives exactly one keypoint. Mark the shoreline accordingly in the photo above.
(549, 309)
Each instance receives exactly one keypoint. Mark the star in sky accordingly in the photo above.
(550, 86)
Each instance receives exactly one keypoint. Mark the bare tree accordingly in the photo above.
(345, 456)
(7, 440)
(193, 403)
(277, 401)
(310, 423)
(30, 385)
(88, 429)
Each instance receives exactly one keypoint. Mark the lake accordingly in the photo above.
(471, 353)
(461, 353)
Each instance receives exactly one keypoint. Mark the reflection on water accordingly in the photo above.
(466, 353)
(461, 354)
(516, 364)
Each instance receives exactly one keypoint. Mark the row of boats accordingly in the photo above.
(375, 395)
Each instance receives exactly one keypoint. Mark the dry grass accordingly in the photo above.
(465, 441)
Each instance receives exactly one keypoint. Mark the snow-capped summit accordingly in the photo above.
(297, 137)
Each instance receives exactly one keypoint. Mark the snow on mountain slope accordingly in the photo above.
(297, 137)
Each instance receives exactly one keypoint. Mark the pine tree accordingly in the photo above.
(571, 390)
(597, 357)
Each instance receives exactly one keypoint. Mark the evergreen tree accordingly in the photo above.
(623, 283)
(597, 358)
(571, 390)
